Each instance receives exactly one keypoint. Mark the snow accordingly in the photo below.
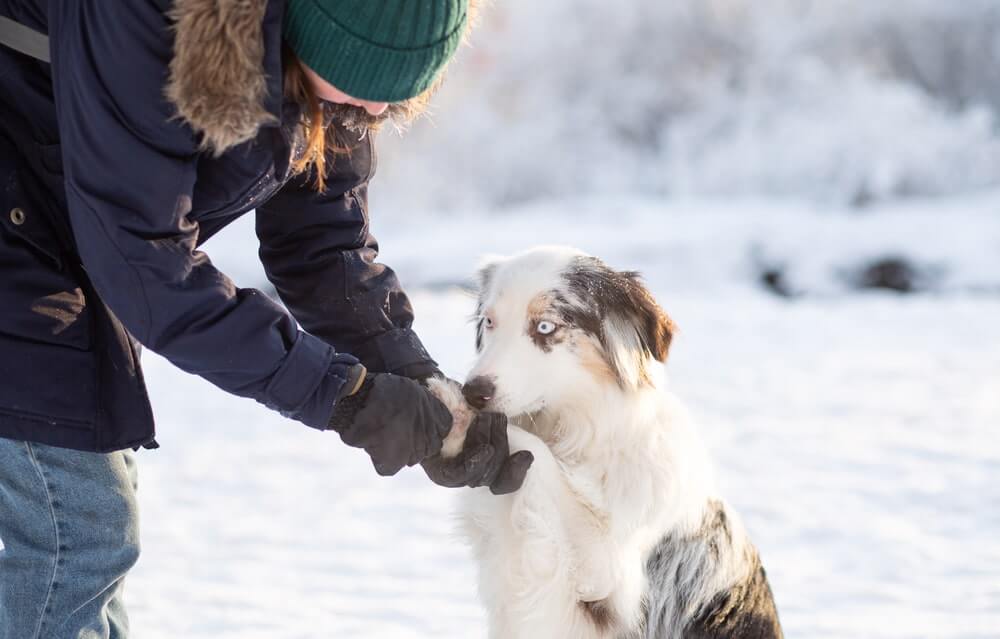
(857, 434)
(691, 245)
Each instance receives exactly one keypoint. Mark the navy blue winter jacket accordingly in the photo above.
(107, 188)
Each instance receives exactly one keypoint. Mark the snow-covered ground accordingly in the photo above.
(858, 434)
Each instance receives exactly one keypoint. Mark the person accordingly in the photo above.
(152, 126)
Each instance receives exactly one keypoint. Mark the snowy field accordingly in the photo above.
(857, 433)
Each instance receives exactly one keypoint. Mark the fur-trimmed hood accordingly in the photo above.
(225, 74)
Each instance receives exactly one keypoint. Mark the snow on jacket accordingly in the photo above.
(107, 191)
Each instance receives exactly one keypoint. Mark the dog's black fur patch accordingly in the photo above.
(588, 319)
(618, 293)
(598, 293)
(745, 611)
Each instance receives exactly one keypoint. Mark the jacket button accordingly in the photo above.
(17, 216)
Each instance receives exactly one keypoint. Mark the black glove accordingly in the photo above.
(485, 459)
(420, 371)
(396, 420)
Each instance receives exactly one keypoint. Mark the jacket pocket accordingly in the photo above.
(42, 298)
(21, 216)
(46, 385)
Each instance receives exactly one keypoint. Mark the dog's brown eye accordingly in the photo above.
(488, 322)
(546, 327)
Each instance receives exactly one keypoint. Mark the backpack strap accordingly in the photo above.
(24, 39)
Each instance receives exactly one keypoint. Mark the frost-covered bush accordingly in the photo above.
(844, 100)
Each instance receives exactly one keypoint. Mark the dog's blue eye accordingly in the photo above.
(545, 328)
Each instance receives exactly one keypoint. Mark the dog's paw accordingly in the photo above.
(593, 591)
(450, 394)
(520, 439)
(598, 571)
(544, 476)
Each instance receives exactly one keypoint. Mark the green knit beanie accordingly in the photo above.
(377, 50)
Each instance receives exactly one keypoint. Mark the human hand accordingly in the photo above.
(484, 459)
(396, 420)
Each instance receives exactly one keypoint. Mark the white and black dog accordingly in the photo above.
(617, 532)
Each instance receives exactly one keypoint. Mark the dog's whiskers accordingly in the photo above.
(534, 424)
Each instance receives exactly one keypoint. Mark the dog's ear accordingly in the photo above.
(652, 324)
(633, 328)
(636, 331)
(484, 276)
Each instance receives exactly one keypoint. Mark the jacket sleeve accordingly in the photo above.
(319, 253)
(129, 174)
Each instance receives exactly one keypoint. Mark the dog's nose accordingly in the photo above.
(479, 391)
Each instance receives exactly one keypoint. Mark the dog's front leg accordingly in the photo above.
(526, 551)
(571, 503)
(598, 557)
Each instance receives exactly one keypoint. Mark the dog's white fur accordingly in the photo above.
(617, 469)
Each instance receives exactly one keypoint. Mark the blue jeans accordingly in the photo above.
(70, 532)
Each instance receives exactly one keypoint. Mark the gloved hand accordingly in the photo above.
(485, 459)
(394, 419)
(419, 371)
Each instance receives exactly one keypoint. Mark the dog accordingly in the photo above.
(617, 532)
